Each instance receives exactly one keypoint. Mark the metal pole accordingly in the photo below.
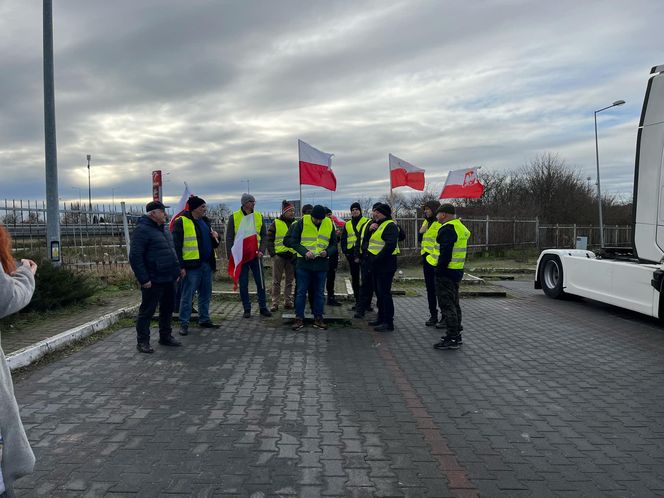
(599, 190)
(50, 146)
(125, 225)
(89, 185)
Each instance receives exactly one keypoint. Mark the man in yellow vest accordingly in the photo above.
(349, 237)
(247, 203)
(195, 242)
(381, 249)
(314, 239)
(448, 255)
(283, 258)
(427, 237)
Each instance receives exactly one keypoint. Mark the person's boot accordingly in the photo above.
(433, 320)
(384, 327)
(333, 302)
(184, 330)
(144, 347)
(319, 323)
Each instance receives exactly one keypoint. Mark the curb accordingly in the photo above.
(30, 354)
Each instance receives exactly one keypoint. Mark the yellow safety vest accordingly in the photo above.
(458, 251)
(429, 237)
(281, 228)
(376, 242)
(258, 221)
(350, 231)
(190, 243)
(313, 238)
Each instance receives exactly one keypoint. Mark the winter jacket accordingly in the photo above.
(17, 458)
(152, 253)
(293, 240)
(178, 241)
(384, 261)
(230, 235)
(272, 235)
(446, 238)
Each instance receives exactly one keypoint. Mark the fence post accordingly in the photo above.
(537, 230)
(557, 233)
(486, 233)
(574, 237)
(514, 234)
(125, 225)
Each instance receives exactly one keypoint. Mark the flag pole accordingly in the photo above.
(389, 171)
(299, 172)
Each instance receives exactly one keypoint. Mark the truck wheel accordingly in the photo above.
(551, 276)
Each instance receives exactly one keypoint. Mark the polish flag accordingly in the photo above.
(183, 205)
(462, 184)
(245, 247)
(404, 174)
(316, 167)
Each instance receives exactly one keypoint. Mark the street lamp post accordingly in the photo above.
(248, 181)
(599, 190)
(89, 185)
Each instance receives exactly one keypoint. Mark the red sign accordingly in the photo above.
(156, 185)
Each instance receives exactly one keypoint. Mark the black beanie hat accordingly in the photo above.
(318, 212)
(355, 205)
(195, 202)
(446, 208)
(384, 209)
(306, 209)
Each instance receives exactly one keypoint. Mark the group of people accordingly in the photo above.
(174, 267)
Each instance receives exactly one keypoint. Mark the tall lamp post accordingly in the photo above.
(248, 181)
(89, 185)
(599, 190)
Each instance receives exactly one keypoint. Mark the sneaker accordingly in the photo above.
(449, 343)
(274, 308)
(333, 302)
(375, 323)
(247, 314)
(169, 340)
(265, 312)
(298, 324)
(144, 347)
(209, 325)
(184, 330)
(433, 320)
(384, 327)
(319, 323)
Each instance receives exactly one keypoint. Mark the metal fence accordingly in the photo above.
(95, 238)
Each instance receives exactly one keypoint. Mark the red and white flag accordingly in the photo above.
(462, 184)
(316, 167)
(181, 207)
(245, 247)
(404, 174)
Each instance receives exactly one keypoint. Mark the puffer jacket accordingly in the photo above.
(16, 457)
(152, 253)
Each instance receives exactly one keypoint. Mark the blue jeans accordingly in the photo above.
(257, 271)
(317, 280)
(197, 279)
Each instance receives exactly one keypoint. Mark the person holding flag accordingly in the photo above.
(246, 242)
(314, 239)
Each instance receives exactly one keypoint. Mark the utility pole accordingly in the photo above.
(50, 149)
(89, 185)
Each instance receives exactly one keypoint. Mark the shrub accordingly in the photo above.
(57, 287)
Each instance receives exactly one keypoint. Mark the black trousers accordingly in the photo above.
(331, 276)
(366, 287)
(383, 285)
(430, 283)
(354, 276)
(159, 294)
(447, 291)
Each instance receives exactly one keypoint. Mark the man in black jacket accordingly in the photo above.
(195, 242)
(155, 264)
(381, 248)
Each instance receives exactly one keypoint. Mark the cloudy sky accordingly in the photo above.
(216, 93)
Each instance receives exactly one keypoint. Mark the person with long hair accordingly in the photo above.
(17, 284)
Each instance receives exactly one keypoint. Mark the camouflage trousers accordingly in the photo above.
(447, 293)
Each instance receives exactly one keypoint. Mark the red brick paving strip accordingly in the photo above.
(459, 482)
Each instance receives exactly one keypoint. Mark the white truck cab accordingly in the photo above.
(629, 279)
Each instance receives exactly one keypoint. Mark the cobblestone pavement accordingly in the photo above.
(13, 339)
(546, 398)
